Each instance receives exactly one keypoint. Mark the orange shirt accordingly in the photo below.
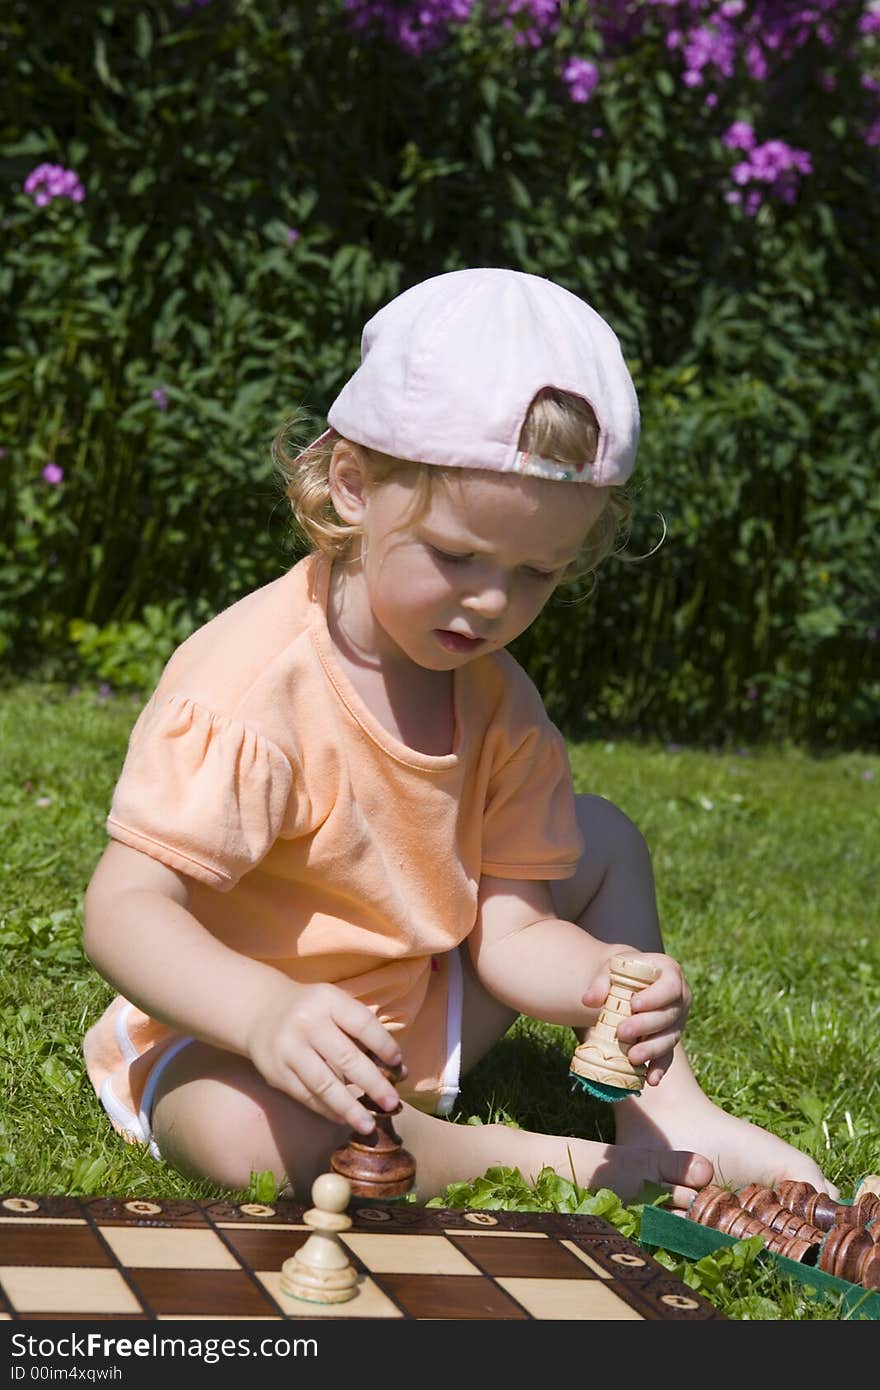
(315, 840)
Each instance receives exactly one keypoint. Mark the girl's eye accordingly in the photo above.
(446, 558)
(541, 575)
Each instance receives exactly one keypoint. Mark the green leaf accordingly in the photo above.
(102, 67)
(263, 1187)
(489, 89)
(143, 39)
(484, 144)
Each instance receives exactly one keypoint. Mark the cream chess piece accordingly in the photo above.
(320, 1271)
(601, 1064)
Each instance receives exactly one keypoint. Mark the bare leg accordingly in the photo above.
(612, 896)
(214, 1117)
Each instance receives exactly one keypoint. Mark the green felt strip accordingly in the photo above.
(601, 1091)
(664, 1230)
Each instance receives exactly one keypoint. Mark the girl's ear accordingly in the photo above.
(349, 480)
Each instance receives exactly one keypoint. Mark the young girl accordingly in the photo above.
(345, 825)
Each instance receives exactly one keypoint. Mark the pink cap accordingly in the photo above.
(450, 367)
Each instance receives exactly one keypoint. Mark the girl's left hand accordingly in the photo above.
(659, 1011)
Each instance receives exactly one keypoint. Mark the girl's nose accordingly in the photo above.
(489, 600)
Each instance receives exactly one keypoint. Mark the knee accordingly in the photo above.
(207, 1129)
(215, 1117)
(608, 833)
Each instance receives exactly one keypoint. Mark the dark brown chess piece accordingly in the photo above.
(709, 1203)
(376, 1164)
(717, 1207)
(814, 1206)
(849, 1253)
(866, 1207)
(762, 1202)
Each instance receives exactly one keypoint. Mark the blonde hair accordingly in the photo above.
(558, 425)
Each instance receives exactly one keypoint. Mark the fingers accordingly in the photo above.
(329, 1052)
(669, 990)
(657, 1018)
(319, 1088)
(332, 1077)
(651, 1037)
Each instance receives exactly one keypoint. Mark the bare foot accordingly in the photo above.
(626, 1169)
(447, 1153)
(740, 1151)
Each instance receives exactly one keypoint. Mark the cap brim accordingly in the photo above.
(321, 439)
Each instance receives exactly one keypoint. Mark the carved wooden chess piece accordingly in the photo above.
(823, 1211)
(717, 1207)
(762, 1202)
(849, 1253)
(709, 1203)
(601, 1064)
(866, 1206)
(377, 1165)
(320, 1271)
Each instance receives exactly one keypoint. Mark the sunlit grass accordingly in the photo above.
(766, 869)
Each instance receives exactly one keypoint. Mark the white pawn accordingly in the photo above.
(321, 1271)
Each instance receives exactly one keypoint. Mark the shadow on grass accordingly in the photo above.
(525, 1080)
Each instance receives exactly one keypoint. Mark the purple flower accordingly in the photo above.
(714, 39)
(52, 473)
(581, 78)
(292, 235)
(416, 26)
(50, 181)
(867, 775)
(739, 136)
(533, 20)
(775, 167)
(160, 396)
(104, 691)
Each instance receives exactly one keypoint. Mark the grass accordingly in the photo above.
(766, 871)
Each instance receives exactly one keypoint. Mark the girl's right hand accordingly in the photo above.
(312, 1042)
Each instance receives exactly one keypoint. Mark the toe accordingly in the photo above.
(684, 1173)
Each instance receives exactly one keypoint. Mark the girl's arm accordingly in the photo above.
(310, 1041)
(556, 971)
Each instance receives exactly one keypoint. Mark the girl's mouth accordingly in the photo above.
(457, 641)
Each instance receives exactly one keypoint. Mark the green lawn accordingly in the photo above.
(766, 866)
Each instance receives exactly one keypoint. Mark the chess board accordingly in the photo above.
(103, 1258)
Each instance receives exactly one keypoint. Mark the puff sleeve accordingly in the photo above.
(529, 823)
(202, 793)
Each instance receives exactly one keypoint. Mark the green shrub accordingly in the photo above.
(258, 179)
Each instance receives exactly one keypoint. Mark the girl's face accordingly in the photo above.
(474, 569)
